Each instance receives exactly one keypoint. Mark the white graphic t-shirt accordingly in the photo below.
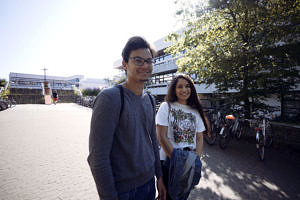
(183, 123)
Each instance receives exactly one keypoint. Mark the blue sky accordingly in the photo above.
(71, 37)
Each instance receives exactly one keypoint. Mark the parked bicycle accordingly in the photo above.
(3, 105)
(11, 103)
(231, 127)
(224, 127)
(6, 103)
(263, 134)
(211, 139)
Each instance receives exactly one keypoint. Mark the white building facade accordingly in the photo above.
(33, 81)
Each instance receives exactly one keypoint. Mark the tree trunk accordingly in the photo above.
(245, 91)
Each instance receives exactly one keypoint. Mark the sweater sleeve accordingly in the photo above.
(158, 170)
(103, 125)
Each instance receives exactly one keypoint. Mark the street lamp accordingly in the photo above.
(44, 73)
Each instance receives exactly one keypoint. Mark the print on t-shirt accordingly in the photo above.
(184, 126)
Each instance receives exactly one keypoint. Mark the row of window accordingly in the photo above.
(39, 83)
(162, 78)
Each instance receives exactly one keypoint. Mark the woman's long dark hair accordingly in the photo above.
(192, 101)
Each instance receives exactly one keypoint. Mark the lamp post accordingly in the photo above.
(46, 89)
(44, 73)
(45, 82)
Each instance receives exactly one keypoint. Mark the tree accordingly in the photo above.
(2, 82)
(235, 44)
(3, 92)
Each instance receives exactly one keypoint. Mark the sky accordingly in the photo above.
(76, 37)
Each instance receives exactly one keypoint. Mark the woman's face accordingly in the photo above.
(183, 90)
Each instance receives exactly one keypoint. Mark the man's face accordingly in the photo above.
(139, 67)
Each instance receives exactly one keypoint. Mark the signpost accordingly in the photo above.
(46, 89)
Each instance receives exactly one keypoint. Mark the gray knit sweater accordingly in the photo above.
(122, 155)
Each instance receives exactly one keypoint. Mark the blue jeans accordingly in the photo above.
(144, 192)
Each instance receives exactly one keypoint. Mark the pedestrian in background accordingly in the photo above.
(180, 125)
(124, 154)
(55, 97)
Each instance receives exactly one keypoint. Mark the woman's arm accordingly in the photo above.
(199, 143)
(162, 136)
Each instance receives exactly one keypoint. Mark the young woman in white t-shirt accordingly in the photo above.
(180, 121)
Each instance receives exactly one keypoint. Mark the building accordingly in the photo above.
(93, 83)
(33, 81)
(29, 88)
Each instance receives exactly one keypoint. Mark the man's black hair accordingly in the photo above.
(135, 43)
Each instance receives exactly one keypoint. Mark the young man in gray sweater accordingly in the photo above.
(124, 156)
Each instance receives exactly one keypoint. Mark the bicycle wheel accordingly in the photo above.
(224, 138)
(212, 139)
(239, 131)
(260, 145)
(14, 103)
(261, 152)
(3, 105)
(269, 135)
(9, 103)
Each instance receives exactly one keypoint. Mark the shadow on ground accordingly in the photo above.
(237, 173)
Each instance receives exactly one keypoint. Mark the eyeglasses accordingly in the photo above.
(141, 61)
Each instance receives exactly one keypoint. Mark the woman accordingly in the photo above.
(55, 97)
(179, 122)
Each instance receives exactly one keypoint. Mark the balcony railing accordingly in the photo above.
(164, 66)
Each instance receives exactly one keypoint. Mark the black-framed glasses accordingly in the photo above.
(139, 61)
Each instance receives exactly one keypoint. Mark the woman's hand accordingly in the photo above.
(162, 136)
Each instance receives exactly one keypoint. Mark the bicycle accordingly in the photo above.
(222, 127)
(263, 134)
(11, 103)
(3, 105)
(211, 139)
(231, 127)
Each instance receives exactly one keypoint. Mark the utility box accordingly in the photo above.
(48, 100)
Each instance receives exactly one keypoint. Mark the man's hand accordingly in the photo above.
(162, 192)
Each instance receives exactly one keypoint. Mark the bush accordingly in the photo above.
(90, 92)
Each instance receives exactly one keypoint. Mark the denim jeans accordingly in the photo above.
(165, 171)
(144, 192)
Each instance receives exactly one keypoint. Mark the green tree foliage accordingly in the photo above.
(2, 82)
(90, 92)
(4, 92)
(248, 46)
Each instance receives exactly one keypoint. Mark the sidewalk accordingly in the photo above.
(43, 156)
(44, 148)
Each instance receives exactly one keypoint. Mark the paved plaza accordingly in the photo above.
(43, 151)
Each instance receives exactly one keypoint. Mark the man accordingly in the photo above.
(124, 156)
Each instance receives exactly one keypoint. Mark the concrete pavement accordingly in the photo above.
(43, 152)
